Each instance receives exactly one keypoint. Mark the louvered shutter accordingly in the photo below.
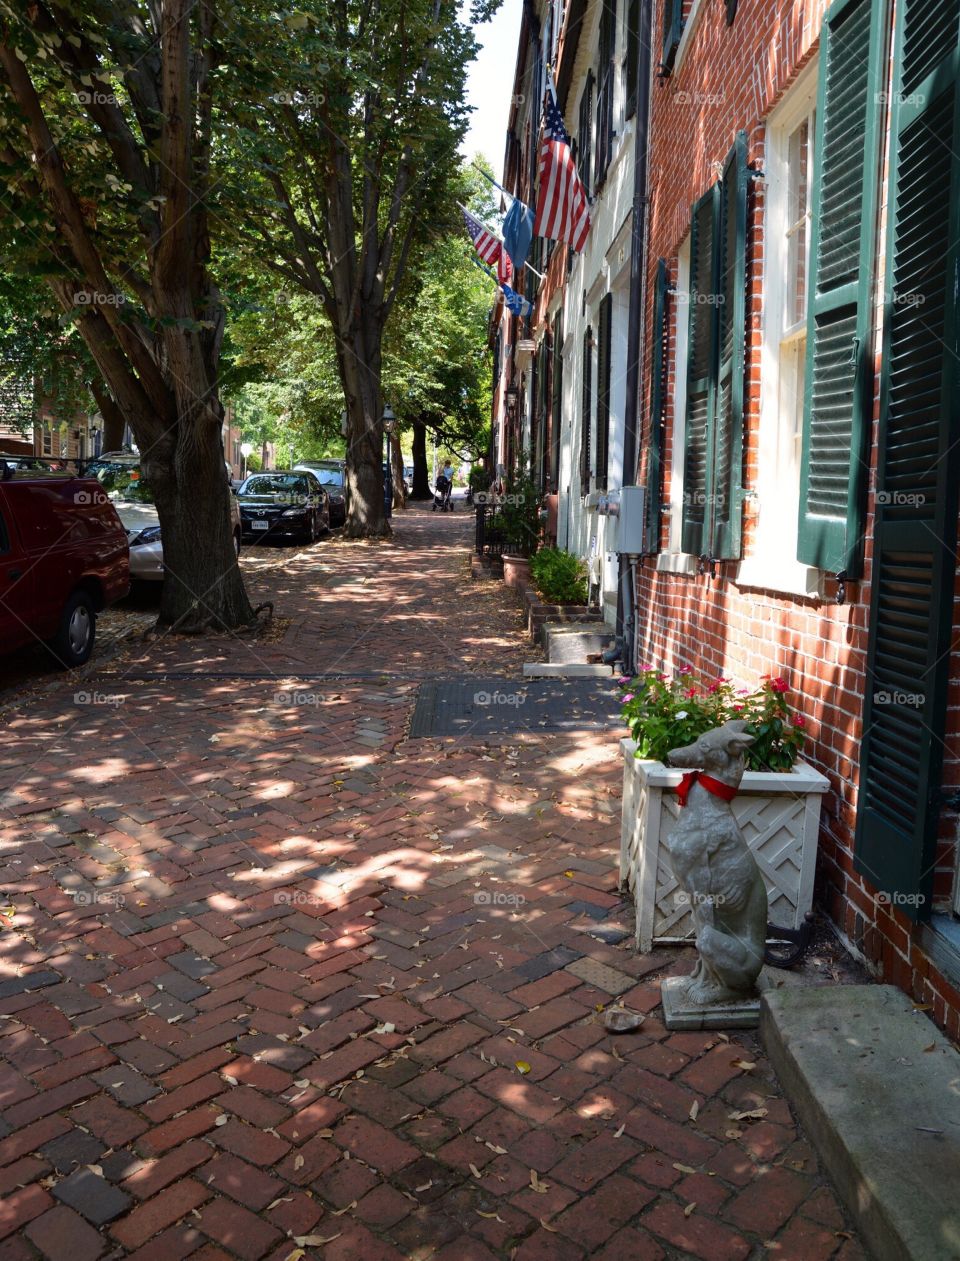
(630, 59)
(701, 369)
(915, 530)
(556, 402)
(586, 412)
(606, 79)
(540, 410)
(658, 365)
(585, 135)
(672, 30)
(839, 366)
(603, 391)
(725, 467)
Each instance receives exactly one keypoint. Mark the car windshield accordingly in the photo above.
(123, 483)
(276, 484)
(328, 476)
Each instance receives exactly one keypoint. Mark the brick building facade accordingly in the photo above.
(796, 417)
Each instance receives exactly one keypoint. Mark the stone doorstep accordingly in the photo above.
(874, 1084)
(565, 670)
(574, 642)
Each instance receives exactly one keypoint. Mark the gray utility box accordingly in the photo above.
(632, 520)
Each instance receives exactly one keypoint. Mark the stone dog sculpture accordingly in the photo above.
(715, 869)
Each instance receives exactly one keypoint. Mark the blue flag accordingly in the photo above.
(516, 304)
(518, 233)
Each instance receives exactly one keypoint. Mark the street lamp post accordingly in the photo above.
(389, 426)
(246, 450)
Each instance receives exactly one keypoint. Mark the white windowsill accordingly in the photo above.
(686, 36)
(788, 577)
(676, 563)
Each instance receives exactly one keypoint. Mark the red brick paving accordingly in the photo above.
(249, 992)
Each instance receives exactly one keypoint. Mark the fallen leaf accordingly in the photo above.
(221, 1120)
(426, 1187)
(541, 1188)
(346, 1209)
(234, 1082)
(689, 1209)
(546, 1226)
(475, 1171)
(746, 1065)
(694, 1109)
(523, 1066)
(751, 1114)
(490, 1217)
(298, 1162)
(683, 1168)
(931, 1047)
(619, 1133)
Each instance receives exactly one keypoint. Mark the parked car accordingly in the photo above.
(287, 504)
(64, 557)
(121, 479)
(332, 475)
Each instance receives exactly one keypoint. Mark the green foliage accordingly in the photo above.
(665, 714)
(559, 577)
(520, 512)
(479, 478)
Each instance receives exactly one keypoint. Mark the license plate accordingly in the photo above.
(260, 525)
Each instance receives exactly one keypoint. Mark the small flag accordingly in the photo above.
(518, 233)
(516, 304)
(484, 242)
(563, 211)
(504, 267)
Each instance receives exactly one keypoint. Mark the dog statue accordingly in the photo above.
(715, 869)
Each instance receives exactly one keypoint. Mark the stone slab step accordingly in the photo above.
(877, 1088)
(565, 670)
(574, 643)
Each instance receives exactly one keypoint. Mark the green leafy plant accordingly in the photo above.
(520, 512)
(559, 577)
(664, 714)
(479, 478)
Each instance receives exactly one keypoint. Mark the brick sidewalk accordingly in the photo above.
(277, 982)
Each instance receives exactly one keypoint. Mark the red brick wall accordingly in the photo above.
(730, 79)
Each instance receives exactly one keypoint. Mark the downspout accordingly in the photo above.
(636, 323)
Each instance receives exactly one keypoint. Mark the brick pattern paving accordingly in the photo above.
(278, 982)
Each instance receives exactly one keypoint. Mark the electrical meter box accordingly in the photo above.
(632, 523)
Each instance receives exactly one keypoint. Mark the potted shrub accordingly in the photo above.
(519, 524)
(559, 577)
(777, 805)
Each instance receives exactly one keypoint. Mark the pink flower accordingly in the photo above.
(690, 692)
(798, 720)
(738, 708)
(629, 697)
(624, 678)
(780, 685)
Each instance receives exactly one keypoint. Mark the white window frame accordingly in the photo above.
(775, 501)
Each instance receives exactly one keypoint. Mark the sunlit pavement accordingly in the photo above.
(277, 981)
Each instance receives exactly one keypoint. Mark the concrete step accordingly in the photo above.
(574, 642)
(877, 1089)
(565, 670)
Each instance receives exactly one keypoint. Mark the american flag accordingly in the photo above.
(563, 211)
(484, 242)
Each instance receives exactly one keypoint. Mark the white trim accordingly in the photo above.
(676, 563)
(678, 429)
(788, 576)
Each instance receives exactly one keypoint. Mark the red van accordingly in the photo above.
(63, 557)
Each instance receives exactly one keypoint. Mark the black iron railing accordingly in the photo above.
(489, 536)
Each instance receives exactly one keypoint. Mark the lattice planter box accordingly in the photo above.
(778, 812)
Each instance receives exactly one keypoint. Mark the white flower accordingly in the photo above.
(682, 713)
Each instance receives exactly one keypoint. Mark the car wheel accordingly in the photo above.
(236, 543)
(73, 642)
(312, 532)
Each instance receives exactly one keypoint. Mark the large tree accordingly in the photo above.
(341, 175)
(106, 136)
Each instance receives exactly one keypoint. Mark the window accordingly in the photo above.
(713, 438)
(631, 58)
(658, 363)
(606, 80)
(556, 409)
(585, 133)
(47, 441)
(603, 390)
(790, 143)
(586, 411)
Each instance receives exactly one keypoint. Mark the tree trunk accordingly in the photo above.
(421, 471)
(396, 474)
(360, 373)
(113, 418)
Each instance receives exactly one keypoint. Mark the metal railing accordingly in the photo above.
(489, 532)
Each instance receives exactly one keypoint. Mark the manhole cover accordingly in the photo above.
(486, 707)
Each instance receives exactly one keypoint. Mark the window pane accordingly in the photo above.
(797, 158)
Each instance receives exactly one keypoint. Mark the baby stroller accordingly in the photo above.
(441, 498)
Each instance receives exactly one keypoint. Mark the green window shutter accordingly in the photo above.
(672, 30)
(631, 56)
(701, 369)
(586, 411)
(540, 409)
(557, 402)
(918, 473)
(585, 134)
(657, 396)
(603, 390)
(839, 365)
(725, 464)
(606, 81)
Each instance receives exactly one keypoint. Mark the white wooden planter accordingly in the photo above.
(778, 812)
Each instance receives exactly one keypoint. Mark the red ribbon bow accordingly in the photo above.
(715, 786)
